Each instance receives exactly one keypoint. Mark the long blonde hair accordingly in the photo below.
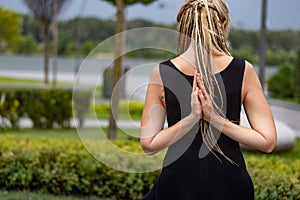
(200, 24)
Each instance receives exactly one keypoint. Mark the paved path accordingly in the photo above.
(287, 113)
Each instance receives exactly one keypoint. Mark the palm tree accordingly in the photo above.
(262, 47)
(120, 26)
(43, 11)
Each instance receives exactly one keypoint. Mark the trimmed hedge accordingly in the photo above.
(127, 110)
(274, 178)
(47, 108)
(65, 167)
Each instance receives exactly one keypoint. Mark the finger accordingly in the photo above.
(196, 94)
(202, 88)
(201, 97)
(195, 80)
(199, 83)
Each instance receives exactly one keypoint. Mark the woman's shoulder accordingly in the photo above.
(246, 65)
(249, 69)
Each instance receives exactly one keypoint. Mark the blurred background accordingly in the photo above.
(43, 43)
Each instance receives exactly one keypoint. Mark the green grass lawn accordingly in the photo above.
(69, 134)
(7, 81)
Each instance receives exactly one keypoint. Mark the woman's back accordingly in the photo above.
(202, 176)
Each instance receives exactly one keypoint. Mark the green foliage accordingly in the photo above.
(87, 47)
(274, 178)
(127, 110)
(31, 26)
(10, 28)
(279, 56)
(12, 106)
(240, 39)
(66, 45)
(47, 108)
(26, 45)
(19, 195)
(81, 104)
(297, 78)
(151, 53)
(285, 39)
(46, 165)
(131, 2)
(51, 106)
(281, 45)
(245, 53)
(285, 84)
(91, 28)
(281, 84)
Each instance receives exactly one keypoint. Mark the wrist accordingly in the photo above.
(217, 121)
(193, 119)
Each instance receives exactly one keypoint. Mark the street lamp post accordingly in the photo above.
(262, 46)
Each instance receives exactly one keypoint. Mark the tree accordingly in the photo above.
(10, 28)
(120, 26)
(297, 78)
(43, 11)
(262, 44)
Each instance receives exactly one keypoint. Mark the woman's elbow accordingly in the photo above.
(270, 144)
(147, 148)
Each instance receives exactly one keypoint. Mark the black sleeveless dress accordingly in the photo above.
(185, 174)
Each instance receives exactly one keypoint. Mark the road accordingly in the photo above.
(287, 113)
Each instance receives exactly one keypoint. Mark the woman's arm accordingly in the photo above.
(262, 134)
(153, 137)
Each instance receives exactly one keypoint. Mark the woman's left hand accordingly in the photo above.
(208, 112)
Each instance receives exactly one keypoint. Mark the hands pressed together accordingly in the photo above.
(201, 103)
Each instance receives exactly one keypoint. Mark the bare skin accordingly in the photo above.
(262, 134)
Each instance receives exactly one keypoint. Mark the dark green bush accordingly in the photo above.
(12, 106)
(47, 165)
(81, 104)
(47, 108)
(297, 78)
(274, 178)
(65, 167)
(281, 84)
(26, 45)
(127, 110)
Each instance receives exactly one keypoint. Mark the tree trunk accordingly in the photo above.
(46, 53)
(55, 38)
(297, 78)
(112, 129)
(262, 48)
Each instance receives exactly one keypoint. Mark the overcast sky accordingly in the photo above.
(282, 14)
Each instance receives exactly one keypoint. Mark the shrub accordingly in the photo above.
(27, 45)
(127, 110)
(281, 84)
(297, 78)
(47, 108)
(274, 178)
(12, 106)
(81, 104)
(47, 165)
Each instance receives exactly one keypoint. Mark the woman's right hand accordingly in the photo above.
(196, 111)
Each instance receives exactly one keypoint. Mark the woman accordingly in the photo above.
(201, 91)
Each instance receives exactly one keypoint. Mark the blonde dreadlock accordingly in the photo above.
(200, 24)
